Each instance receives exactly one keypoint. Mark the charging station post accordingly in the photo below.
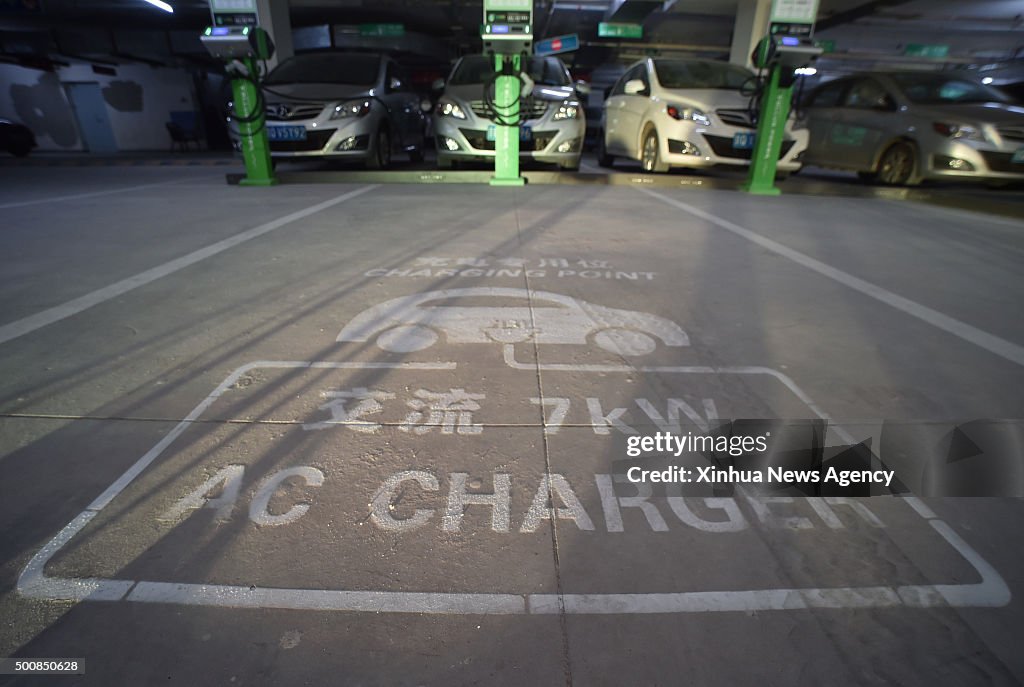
(787, 47)
(236, 38)
(507, 34)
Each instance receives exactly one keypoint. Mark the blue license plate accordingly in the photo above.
(1018, 157)
(744, 140)
(286, 133)
(525, 133)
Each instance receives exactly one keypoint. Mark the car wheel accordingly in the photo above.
(625, 342)
(20, 149)
(407, 338)
(603, 158)
(380, 157)
(650, 154)
(898, 165)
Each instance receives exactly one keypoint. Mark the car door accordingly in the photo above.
(634, 108)
(821, 110)
(618, 135)
(868, 116)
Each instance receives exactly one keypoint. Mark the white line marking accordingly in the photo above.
(994, 344)
(73, 307)
(920, 507)
(991, 591)
(92, 194)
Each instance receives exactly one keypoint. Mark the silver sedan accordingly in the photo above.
(903, 127)
(553, 124)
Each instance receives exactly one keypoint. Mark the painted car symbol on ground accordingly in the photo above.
(411, 323)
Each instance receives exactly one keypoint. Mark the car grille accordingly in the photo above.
(295, 111)
(722, 146)
(315, 140)
(528, 109)
(740, 118)
(1011, 133)
(1002, 162)
(540, 141)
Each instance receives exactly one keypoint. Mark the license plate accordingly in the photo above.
(744, 140)
(286, 133)
(525, 133)
(1018, 157)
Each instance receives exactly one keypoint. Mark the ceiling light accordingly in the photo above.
(162, 5)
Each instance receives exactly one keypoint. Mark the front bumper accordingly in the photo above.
(348, 138)
(551, 142)
(690, 144)
(962, 160)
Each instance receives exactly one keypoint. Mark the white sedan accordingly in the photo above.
(687, 113)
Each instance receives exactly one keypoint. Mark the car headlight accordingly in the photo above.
(691, 113)
(446, 108)
(353, 108)
(569, 109)
(971, 133)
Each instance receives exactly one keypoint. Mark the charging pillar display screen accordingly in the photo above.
(507, 34)
(236, 38)
(787, 48)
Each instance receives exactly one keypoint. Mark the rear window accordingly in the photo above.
(355, 69)
(545, 71)
(700, 74)
(938, 89)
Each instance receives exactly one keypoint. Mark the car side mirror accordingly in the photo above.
(634, 87)
(438, 85)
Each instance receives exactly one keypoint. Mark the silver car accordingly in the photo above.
(686, 113)
(902, 127)
(553, 124)
(343, 106)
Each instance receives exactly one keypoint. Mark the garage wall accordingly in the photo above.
(139, 100)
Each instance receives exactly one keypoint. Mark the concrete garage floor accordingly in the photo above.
(165, 335)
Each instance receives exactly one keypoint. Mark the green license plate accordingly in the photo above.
(525, 133)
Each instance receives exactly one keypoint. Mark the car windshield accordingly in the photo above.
(545, 71)
(938, 89)
(353, 69)
(700, 74)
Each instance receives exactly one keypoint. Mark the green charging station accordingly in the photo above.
(787, 48)
(507, 33)
(236, 38)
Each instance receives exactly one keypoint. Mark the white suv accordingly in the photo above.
(686, 113)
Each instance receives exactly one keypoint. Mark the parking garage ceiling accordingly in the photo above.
(695, 25)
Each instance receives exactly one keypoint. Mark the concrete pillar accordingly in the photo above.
(274, 18)
(750, 27)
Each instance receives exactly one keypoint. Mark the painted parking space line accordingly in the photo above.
(991, 590)
(29, 324)
(91, 194)
(1003, 348)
